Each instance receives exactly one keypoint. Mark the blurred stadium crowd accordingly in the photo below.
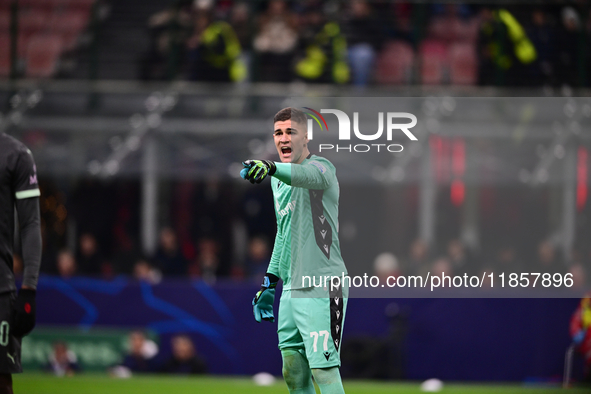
(381, 42)
(355, 42)
(215, 230)
(102, 219)
(143, 355)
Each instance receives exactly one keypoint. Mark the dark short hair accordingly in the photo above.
(291, 113)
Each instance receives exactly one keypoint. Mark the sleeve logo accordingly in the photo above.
(33, 178)
(319, 166)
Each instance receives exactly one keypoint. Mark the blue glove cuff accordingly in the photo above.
(268, 284)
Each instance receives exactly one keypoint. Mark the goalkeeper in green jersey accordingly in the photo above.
(306, 252)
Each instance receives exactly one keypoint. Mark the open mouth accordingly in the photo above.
(286, 150)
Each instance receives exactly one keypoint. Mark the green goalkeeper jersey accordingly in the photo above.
(306, 200)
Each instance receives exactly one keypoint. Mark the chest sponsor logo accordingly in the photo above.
(285, 211)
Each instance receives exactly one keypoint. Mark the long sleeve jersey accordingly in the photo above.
(18, 189)
(306, 200)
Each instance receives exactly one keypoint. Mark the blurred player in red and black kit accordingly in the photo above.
(580, 330)
(18, 188)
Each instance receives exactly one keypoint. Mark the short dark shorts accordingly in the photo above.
(10, 346)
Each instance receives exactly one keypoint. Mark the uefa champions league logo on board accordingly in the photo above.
(344, 133)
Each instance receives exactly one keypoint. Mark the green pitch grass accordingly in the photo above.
(32, 383)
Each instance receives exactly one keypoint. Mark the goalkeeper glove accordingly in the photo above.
(262, 304)
(24, 313)
(257, 170)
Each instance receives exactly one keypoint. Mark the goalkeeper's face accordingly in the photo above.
(291, 141)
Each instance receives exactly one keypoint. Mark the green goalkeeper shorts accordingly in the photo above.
(314, 325)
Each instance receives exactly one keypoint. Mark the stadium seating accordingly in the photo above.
(433, 59)
(24, 4)
(47, 26)
(80, 5)
(4, 55)
(450, 29)
(441, 29)
(54, 5)
(22, 43)
(4, 20)
(43, 54)
(69, 25)
(395, 63)
(32, 20)
(463, 68)
(465, 30)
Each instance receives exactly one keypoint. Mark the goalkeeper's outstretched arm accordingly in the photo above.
(315, 174)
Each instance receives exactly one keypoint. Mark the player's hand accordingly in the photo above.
(262, 304)
(257, 170)
(24, 313)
